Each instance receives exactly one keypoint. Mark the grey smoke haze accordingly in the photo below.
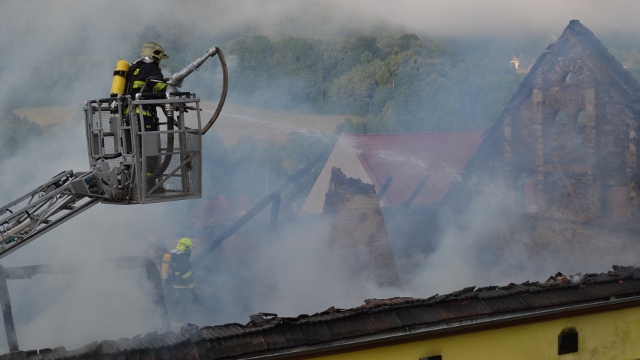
(39, 32)
(292, 274)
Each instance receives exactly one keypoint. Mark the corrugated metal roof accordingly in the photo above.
(375, 317)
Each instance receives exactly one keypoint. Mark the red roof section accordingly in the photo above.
(409, 157)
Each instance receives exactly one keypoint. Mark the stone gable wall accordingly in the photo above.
(574, 158)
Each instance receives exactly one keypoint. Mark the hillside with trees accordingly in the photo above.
(396, 83)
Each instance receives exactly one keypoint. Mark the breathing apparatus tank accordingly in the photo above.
(119, 78)
(166, 260)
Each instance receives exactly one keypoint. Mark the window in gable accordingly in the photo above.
(614, 203)
(560, 118)
(571, 78)
(581, 119)
(619, 203)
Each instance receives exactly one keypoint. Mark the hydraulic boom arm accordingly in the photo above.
(129, 164)
(61, 198)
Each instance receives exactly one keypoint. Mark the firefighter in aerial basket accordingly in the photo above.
(143, 76)
(177, 276)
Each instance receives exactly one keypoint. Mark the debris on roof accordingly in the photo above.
(267, 333)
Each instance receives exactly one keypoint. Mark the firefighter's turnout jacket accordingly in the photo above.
(180, 290)
(146, 77)
(180, 275)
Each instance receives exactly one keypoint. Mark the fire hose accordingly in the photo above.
(174, 82)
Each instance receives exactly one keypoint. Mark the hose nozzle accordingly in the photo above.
(176, 79)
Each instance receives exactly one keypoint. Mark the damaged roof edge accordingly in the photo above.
(384, 322)
(459, 326)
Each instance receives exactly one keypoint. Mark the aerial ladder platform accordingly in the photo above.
(128, 164)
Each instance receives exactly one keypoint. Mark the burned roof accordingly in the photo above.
(394, 318)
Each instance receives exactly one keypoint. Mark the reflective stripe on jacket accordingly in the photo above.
(142, 74)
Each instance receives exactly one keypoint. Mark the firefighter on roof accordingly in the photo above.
(176, 272)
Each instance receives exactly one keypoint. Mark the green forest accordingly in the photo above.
(393, 83)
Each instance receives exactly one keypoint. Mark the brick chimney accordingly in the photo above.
(358, 233)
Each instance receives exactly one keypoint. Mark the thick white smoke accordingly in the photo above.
(286, 275)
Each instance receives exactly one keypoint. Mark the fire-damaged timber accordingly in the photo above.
(273, 198)
(563, 154)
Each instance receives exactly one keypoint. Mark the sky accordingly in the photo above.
(440, 17)
(493, 17)
(109, 306)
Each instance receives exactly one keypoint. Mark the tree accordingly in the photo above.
(293, 56)
(354, 91)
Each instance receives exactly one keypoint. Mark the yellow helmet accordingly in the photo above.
(153, 50)
(185, 244)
